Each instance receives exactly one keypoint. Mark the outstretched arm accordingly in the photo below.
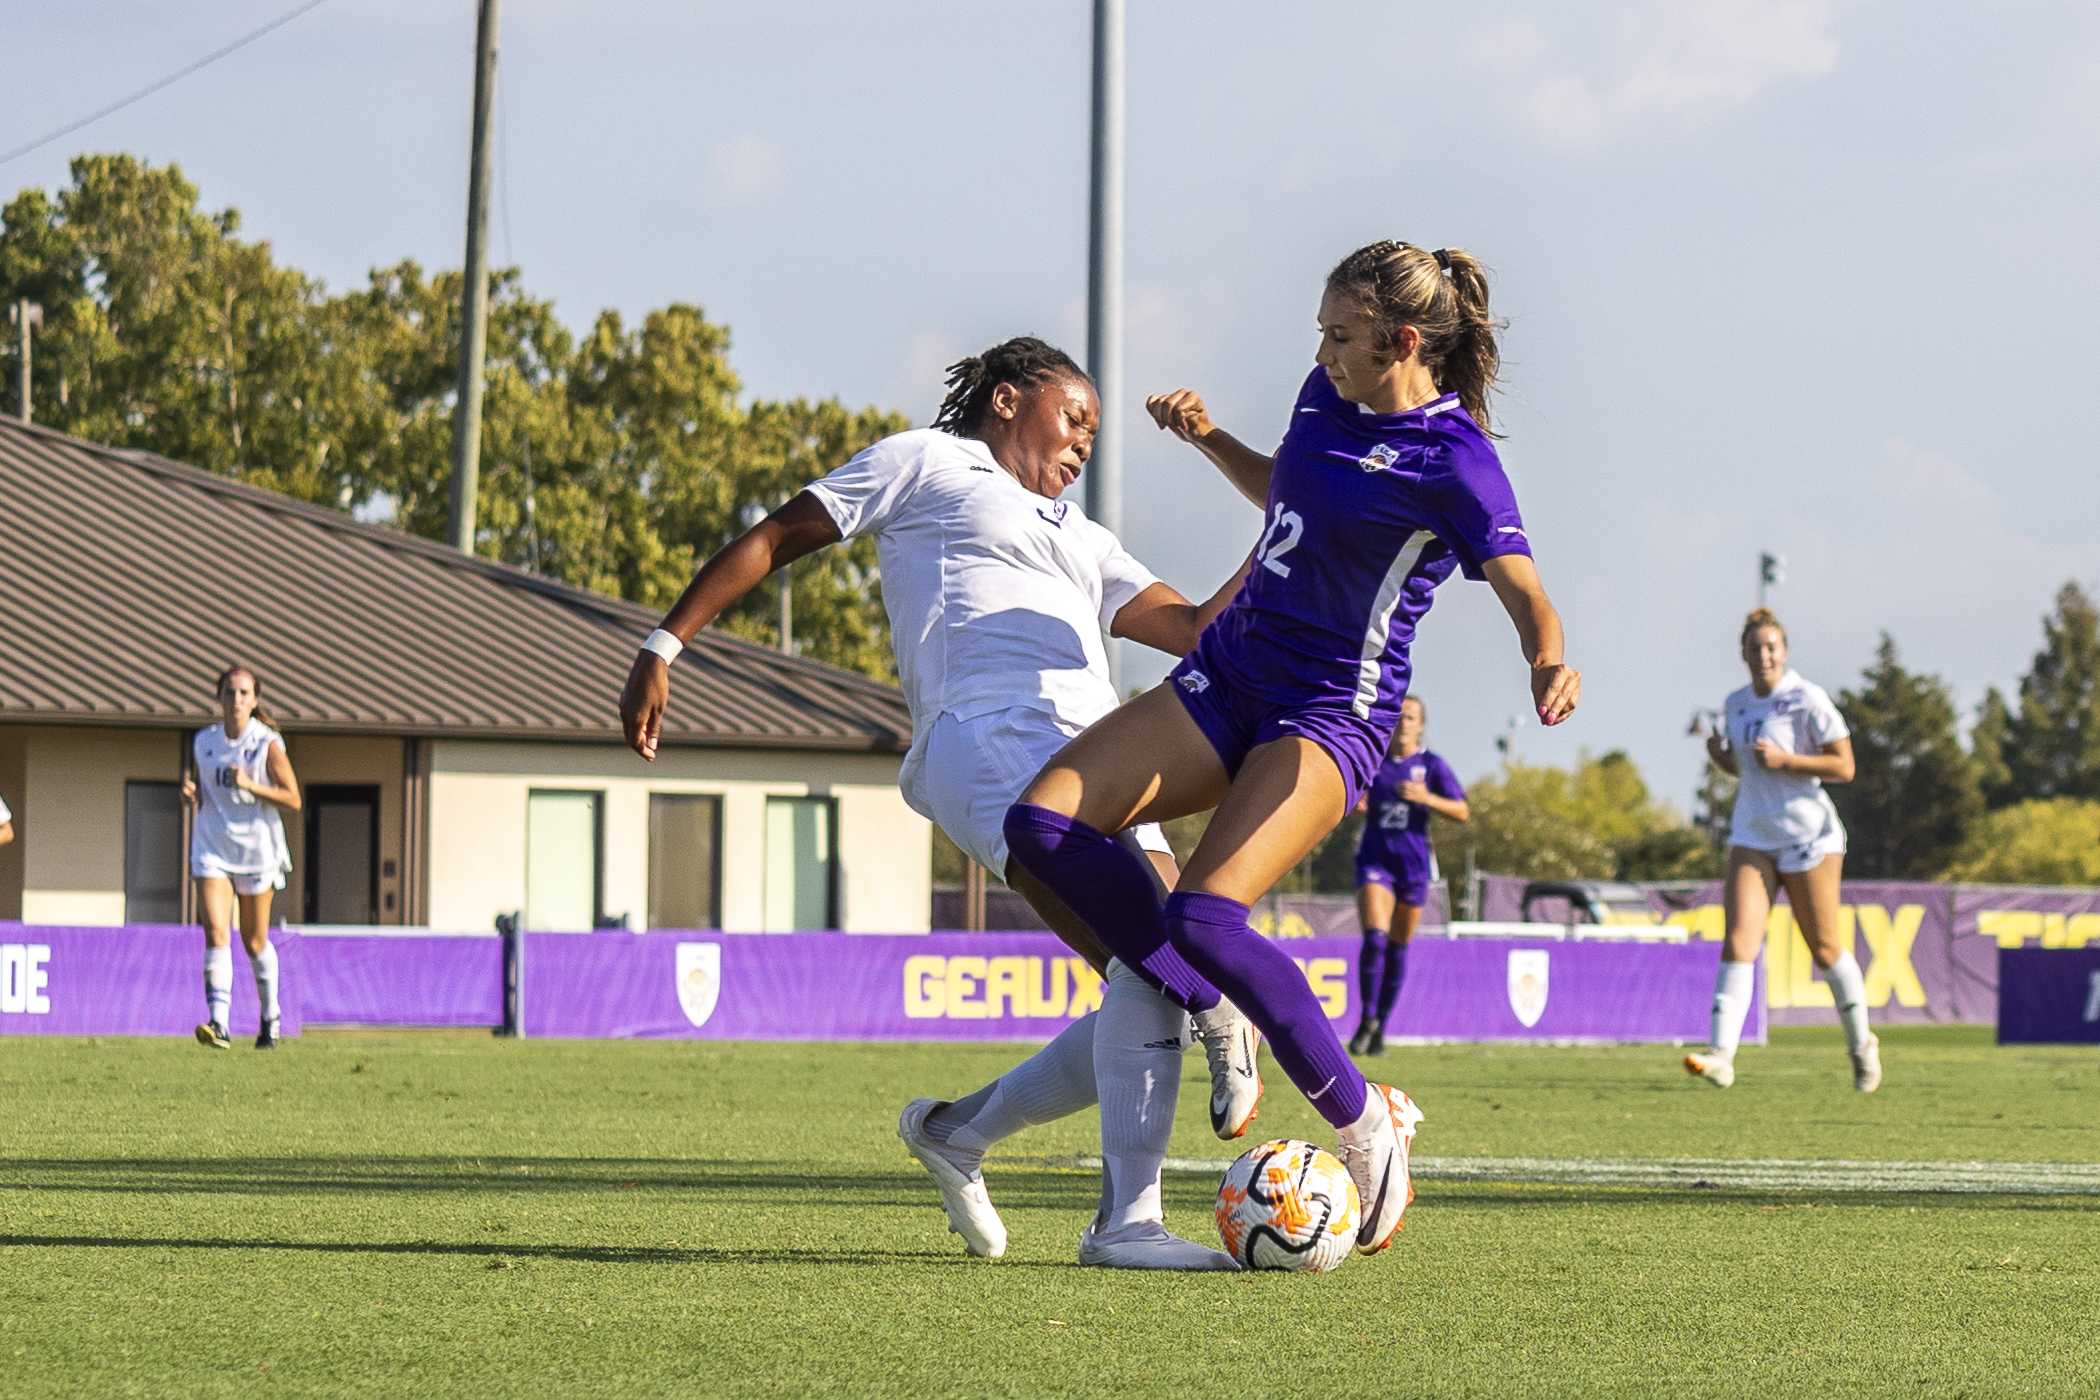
(1161, 618)
(1182, 413)
(1555, 685)
(800, 527)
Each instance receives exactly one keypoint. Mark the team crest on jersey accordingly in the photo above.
(1056, 513)
(699, 974)
(1528, 969)
(1194, 682)
(1378, 458)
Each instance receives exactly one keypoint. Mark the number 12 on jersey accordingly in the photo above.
(1286, 528)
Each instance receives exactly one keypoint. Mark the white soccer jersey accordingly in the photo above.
(5, 815)
(236, 832)
(1774, 811)
(997, 597)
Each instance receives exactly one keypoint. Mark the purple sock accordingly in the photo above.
(1108, 886)
(1263, 982)
(1369, 963)
(1389, 985)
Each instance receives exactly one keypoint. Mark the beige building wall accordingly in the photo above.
(71, 816)
(477, 806)
(331, 759)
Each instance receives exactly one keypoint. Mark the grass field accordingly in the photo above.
(447, 1215)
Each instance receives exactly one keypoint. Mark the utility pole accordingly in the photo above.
(474, 300)
(1104, 265)
(23, 315)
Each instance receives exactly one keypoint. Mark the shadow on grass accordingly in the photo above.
(504, 1254)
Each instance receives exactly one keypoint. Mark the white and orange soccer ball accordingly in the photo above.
(1288, 1205)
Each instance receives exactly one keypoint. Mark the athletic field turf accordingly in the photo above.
(440, 1215)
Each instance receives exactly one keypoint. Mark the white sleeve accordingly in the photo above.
(1825, 724)
(864, 495)
(5, 815)
(1122, 576)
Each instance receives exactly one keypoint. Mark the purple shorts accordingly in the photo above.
(1236, 724)
(1405, 871)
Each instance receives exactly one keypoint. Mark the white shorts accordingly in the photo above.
(969, 771)
(1794, 860)
(243, 881)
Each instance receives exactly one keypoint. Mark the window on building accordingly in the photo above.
(561, 861)
(685, 860)
(801, 864)
(153, 855)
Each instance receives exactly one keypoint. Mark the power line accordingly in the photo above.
(153, 87)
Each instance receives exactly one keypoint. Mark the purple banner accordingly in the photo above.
(2049, 996)
(140, 979)
(964, 986)
(1929, 952)
(402, 979)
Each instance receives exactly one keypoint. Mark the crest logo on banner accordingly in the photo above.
(1528, 968)
(699, 980)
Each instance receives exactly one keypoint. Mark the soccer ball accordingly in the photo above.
(1288, 1205)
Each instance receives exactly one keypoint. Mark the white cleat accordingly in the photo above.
(1717, 1070)
(963, 1196)
(1229, 1045)
(1375, 1149)
(1147, 1245)
(1866, 1066)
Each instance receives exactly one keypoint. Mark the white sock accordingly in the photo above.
(1849, 990)
(265, 967)
(1733, 988)
(1137, 1066)
(1055, 1081)
(218, 985)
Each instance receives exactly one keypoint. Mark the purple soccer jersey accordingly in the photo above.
(1392, 821)
(1367, 514)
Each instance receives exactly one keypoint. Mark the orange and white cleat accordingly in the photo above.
(1376, 1150)
(1717, 1070)
(1230, 1044)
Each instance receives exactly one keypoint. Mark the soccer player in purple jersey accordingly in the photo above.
(1395, 865)
(1385, 483)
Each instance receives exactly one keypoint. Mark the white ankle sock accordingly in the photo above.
(218, 985)
(264, 965)
(1848, 988)
(1055, 1081)
(1733, 988)
(1137, 1066)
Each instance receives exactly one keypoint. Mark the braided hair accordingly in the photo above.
(1444, 296)
(1023, 361)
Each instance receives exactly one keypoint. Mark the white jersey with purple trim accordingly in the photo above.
(236, 832)
(1774, 811)
(997, 597)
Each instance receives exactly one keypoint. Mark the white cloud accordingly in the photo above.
(746, 170)
(1659, 63)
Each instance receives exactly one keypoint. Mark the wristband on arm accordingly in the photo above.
(664, 644)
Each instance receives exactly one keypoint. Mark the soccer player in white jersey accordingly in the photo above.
(7, 823)
(1783, 739)
(240, 779)
(998, 593)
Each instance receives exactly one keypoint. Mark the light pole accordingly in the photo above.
(1771, 572)
(1104, 322)
(474, 298)
(24, 316)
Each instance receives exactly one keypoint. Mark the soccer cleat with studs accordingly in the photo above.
(266, 1039)
(213, 1035)
(1147, 1245)
(963, 1197)
(1866, 1065)
(1717, 1070)
(1360, 1043)
(1376, 1150)
(1229, 1046)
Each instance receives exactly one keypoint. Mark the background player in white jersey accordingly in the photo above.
(240, 779)
(998, 594)
(1783, 739)
(7, 823)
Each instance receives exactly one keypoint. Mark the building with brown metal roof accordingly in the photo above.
(453, 720)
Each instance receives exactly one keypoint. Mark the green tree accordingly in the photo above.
(1987, 743)
(1914, 794)
(2052, 745)
(1598, 821)
(2048, 841)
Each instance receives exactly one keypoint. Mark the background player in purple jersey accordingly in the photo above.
(1385, 483)
(1395, 865)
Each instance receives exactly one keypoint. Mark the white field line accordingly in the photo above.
(1754, 1174)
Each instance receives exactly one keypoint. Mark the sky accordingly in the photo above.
(1806, 276)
